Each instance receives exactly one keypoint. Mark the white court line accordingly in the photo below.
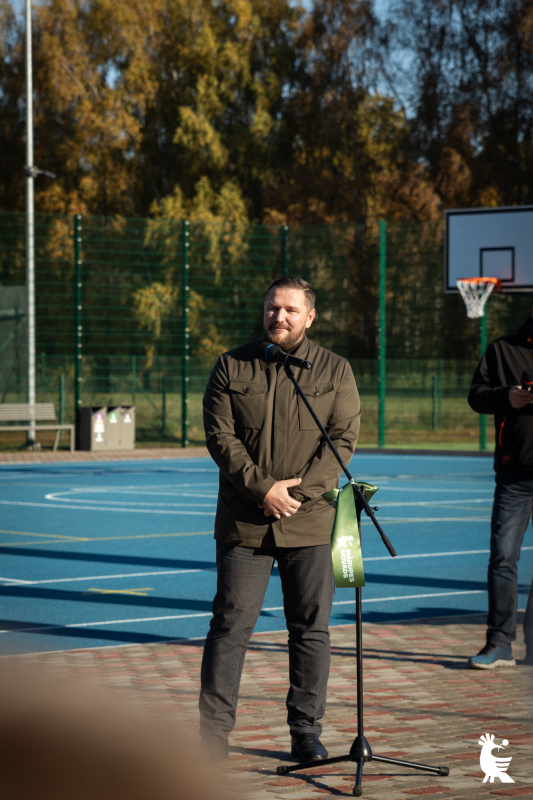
(209, 613)
(107, 508)
(425, 519)
(60, 496)
(208, 513)
(173, 490)
(213, 569)
(410, 597)
(415, 596)
(436, 491)
(432, 555)
(112, 577)
(436, 502)
(150, 486)
(117, 502)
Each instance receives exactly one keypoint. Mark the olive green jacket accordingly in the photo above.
(258, 431)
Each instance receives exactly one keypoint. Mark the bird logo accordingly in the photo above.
(345, 541)
(492, 766)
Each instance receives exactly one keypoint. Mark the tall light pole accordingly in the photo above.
(31, 172)
(30, 228)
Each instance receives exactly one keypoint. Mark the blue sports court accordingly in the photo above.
(103, 554)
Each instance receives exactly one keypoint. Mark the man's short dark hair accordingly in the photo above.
(290, 282)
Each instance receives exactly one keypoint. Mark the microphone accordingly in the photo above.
(271, 352)
(527, 380)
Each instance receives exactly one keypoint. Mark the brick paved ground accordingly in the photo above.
(48, 456)
(421, 704)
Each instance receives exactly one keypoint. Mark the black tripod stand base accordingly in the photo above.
(361, 753)
(284, 768)
(360, 750)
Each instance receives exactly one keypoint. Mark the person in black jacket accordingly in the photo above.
(496, 389)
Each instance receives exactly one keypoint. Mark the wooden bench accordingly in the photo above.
(42, 412)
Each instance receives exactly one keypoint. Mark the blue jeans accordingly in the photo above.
(511, 512)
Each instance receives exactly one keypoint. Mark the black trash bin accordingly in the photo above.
(107, 428)
(93, 428)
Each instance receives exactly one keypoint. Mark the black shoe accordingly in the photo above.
(528, 660)
(216, 748)
(307, 747)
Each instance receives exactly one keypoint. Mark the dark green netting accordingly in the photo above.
(134, 337)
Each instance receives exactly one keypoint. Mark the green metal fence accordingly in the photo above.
(137, 311)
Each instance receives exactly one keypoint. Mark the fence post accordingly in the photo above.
(164, 408)
(284, 255)
(133, 380)
(382, 331)
(43, 376)
(436, 393)
(79, 339)
(482, 348)
(61, 399)
(185, 323)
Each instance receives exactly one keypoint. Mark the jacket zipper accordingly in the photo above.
(501, 429)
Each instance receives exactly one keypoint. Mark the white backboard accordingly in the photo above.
(490, 243)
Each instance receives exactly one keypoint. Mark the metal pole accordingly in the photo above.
(30, 228)
(78, 310)
(382, 331)
(164, 409)
(44, 387)
(61, 399)
(133, 380)
(284, 258)
(186, 349)
(436, 388)
(482, 348)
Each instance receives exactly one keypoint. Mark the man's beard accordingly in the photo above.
(287, 344)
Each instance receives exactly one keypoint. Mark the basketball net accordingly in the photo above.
(475, 292)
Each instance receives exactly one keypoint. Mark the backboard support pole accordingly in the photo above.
(482, 348)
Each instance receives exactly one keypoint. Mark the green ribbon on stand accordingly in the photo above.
(345, 538)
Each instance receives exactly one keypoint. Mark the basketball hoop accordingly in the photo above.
(475, 292)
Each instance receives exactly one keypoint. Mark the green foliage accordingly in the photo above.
(151, 305)
(249, 110)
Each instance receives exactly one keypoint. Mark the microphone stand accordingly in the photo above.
(360, 751)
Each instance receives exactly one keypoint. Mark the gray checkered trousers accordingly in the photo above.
(242, 579)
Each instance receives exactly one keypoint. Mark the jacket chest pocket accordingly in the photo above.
(248, 403)
(321, 397)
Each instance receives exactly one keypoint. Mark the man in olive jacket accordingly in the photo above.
(274, 468)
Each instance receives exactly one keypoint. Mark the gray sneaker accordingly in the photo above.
(492, 657)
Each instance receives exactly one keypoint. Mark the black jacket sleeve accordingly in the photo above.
(487, 395)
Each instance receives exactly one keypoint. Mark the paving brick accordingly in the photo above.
(461, 704)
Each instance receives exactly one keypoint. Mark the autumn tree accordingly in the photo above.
(464, 71)
(133, 100)
(12, 146)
